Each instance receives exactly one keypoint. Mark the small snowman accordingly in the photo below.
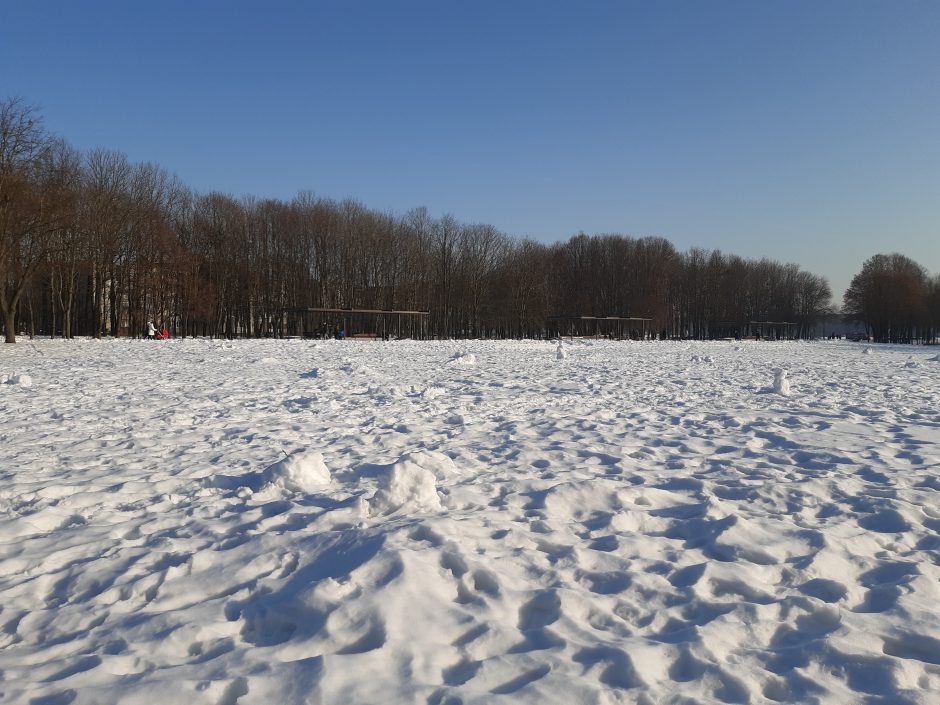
(561, 354)
(781, 383)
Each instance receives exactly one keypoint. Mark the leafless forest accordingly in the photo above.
(94, 245)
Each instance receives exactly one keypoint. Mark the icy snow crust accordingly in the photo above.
(364, 522)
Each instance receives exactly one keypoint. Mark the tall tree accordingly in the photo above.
(35, 194)
(890, 297)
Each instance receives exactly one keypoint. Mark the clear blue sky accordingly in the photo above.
(807, 131)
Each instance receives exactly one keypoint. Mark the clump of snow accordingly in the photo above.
(433, 392)
(407, 485)
(702, 358)
(560, 353)
(935, 358)
(868, 350)
(19, 379)
(439, 464)
(302, 471)
(463, 358)
(781, 383)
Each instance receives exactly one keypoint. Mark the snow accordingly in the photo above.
(781, 383)
(363, 522)
(302, 471)
(463, 358)
(20, 379)
(409, 486)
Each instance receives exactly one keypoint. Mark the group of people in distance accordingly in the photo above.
(152, 333)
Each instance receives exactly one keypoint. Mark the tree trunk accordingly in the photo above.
(9, 320)
(32, 319)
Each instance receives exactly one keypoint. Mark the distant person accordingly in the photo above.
(342, 334)
(151, 330)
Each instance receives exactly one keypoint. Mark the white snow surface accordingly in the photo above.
(211, 522)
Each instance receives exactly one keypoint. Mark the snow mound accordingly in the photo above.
(463, 358)
(19, 379)
(409, 485)
(439, 464)
(302, 471)
(781, 383)
(935, 358)
(433, 392)
(702, 358)
(560, 353)
(868, 350)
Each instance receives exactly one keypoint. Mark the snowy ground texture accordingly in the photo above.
(443, 523)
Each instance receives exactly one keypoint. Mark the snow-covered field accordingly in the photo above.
(364, 522)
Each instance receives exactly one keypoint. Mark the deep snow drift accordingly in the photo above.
(364, 522)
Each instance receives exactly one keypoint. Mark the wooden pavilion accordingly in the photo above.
(616, 327)
(759, 330)
(355, 323)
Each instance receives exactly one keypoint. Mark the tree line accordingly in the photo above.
(92, 244)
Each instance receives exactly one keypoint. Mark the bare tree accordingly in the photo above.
(890, 296)
(35, 194)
